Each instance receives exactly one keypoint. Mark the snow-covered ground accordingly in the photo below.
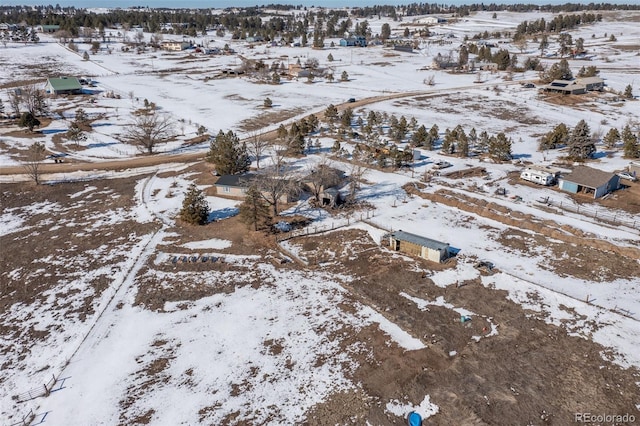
(247, 351)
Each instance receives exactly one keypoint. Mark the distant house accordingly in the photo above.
(403, 48)
(416, 245)
(587, 180)
(591, 83)
(254, 39)
(353, 41)
(175, 46)
(566, 87)
(63, 86)
(296, 71)
(428, 20)
(486, 66)
(48, 28)
(575, 87)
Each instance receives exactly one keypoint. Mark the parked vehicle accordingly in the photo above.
(441, 165)
(628, 176)
(540, 177)
(351, 100)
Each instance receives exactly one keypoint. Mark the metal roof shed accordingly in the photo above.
(588, 180)
(417, 245)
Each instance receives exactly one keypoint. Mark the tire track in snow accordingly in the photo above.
(100, 327)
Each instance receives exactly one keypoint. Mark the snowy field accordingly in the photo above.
(269, 344)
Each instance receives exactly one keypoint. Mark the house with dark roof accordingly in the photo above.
(587, 180)
(567, 87)
(575, 87)
(233, 185)
(63, 86)
(419, 246)
(236, 186)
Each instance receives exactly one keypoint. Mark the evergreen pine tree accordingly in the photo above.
(195, 209)
(500, 148)
(228, 154)
(581, 144)
(555, 138)
(630, 144)
(628, 92)
(611, 138)
(419, 137)
(254, 211)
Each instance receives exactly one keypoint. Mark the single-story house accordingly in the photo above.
(567, 87)
(591, 83)
(49, 28)
(236, 186)
(416, 245)
(486, 66)
(403, 48)
(428, 20)
(587, 180)
(353, 41)
(175, 46)
(63, 86)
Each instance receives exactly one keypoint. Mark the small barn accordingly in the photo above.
(63, 86)
(417, 245)
(587, 180)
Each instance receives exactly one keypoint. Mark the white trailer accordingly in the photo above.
(541, 177)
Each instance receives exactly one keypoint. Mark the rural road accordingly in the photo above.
(157, 159)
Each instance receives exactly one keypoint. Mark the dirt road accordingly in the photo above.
(152, 160)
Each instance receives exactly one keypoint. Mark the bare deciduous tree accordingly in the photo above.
(148, 130)
(276, 183)
(257, 146)
(35, 155)
(356, 177)
(15, 100)
(322, 176)
(34, 100)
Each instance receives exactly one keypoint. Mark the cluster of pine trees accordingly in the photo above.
(581, 142)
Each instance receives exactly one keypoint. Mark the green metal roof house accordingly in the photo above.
(63, 86)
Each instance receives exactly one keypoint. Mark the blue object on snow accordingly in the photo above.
(414, 419)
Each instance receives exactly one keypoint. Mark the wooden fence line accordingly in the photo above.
(38, 392)
(595, 213)
(26, 420)
(314, 230)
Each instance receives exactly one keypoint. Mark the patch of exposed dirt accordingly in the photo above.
(267, 118)
(502, 379)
